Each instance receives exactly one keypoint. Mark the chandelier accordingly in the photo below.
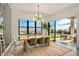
(38, 17)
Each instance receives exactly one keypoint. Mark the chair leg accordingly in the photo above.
(24, 46)
(14, 50)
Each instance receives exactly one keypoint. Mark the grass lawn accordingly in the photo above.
(57, 36)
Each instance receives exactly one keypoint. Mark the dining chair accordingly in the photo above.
(41, 41)
(16, 43)
(47, 41)
(32, 42)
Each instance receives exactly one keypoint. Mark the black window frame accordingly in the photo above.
(23, 27)
(39, 27)
(28, 27)
(32, 27)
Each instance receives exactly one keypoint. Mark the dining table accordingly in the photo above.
(25, 38)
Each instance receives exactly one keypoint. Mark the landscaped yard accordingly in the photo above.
(57, 36)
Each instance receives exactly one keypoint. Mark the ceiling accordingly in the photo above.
(51, 10)
(45, 8)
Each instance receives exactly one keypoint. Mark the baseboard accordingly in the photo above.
(7, 49)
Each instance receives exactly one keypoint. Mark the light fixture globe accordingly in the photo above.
(38, 16)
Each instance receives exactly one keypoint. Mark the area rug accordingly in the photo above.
(51, 50)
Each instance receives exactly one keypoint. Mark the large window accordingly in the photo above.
(63, 26)
(38, 28)
(23, 26)
(31, 27)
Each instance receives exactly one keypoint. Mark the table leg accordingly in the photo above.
(24, 46)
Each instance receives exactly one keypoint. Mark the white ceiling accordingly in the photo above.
(50, 10)
(45, 8)
(70, 11)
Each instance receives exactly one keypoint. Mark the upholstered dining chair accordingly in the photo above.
(47, 41)
(41, 41)
(16, 43)
(32, 42)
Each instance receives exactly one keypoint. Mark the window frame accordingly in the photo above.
(28, 27)
(31, 27)
(20, 27)
(39, 27)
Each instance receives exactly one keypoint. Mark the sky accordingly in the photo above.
(23, 22)
(61, 24)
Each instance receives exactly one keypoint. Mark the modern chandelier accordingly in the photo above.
(38, 17)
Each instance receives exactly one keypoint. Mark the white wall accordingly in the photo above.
(6, 14)
(78, 31)
(16, 15)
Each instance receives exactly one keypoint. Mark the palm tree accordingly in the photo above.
(52, 30)
(45, 26)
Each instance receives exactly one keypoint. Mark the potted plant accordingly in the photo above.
(46, 26)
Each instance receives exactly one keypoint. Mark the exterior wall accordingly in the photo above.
(6, 14)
